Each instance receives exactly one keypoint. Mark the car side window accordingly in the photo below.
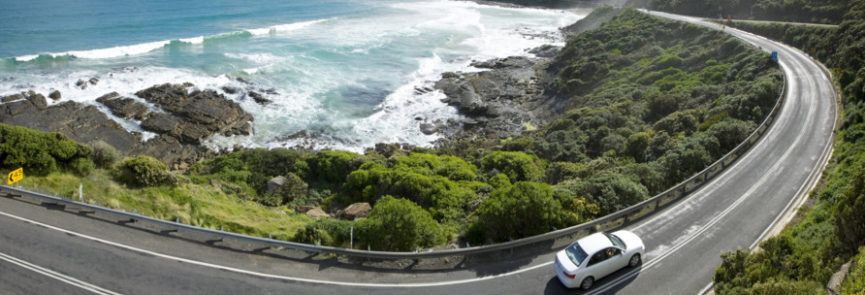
(598, 257)
(604, 255)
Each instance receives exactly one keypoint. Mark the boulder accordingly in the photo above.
(316, 213)
(229, 89)
(357, 210)
(93, 81)
(81, 84)
(258, 98)
(55, 95)
(427, 128)
(275, 183)
(38, 100)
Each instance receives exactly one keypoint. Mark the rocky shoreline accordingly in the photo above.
(179, 115)
(510, 96)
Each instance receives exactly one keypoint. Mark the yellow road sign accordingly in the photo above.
(15, 176)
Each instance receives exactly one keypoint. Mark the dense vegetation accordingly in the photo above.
(802, 258)
(814, 11)
(641, 112)
(41, 153)
(645, 103)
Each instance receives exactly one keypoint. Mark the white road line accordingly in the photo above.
(56, 275)
(272, 276)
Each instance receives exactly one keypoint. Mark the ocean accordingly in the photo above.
(345, 73)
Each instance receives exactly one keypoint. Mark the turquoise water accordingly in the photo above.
(345, 72)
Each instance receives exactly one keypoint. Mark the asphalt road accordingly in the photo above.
(48, 251)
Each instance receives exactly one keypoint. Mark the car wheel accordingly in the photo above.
(635, 260)
(587, 283)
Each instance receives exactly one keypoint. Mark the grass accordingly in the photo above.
(200, 205)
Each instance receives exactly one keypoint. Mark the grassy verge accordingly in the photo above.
(199, 205)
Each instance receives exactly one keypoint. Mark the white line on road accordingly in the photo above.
(56, 275)
(272, 276)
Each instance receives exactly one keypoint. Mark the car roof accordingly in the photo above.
(594, 243)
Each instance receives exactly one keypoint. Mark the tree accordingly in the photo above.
(399, 225)
(637, 145)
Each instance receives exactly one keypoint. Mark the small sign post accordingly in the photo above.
(15, 176)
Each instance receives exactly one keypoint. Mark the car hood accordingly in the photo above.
(566, 262)
(631, 240)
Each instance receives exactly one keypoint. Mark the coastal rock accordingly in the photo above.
(55, 95)
(357, 210)
(497, 102)
(516, 62)
(230, 90)
(93, 81)
(427, 128)
(13, 97)
(159, 123)
(545, 51)
(201, 113)
(79, 122)
(124, 107)
(38, 100)
(81, 84)
(259, 98)
(87, 124)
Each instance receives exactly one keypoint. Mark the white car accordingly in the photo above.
(596, 256)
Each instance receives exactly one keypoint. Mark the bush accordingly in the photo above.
(82, 166)
(517, 166)
(39, 153)
(104, 155)
(521, 210)
(327, 232)
(144, 171)
(399, 225)
(611, 191)
(333, 166)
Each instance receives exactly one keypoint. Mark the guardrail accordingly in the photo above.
(441, 259)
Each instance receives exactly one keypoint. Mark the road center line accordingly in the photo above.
(56, 275)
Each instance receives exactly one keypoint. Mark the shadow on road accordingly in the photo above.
(554, 286)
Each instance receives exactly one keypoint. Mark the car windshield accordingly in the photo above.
(615, 240)
(576, 254)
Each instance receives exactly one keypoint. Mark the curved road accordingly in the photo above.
(46, 251)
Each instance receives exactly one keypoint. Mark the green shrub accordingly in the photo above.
(144, 171)
(611, 191)
(453, 168)
(518, 166)
(82, 166)
(39, 153)
(327, 232)
(521, 210)
(333, 166)
(399, 225)
(104, 155)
